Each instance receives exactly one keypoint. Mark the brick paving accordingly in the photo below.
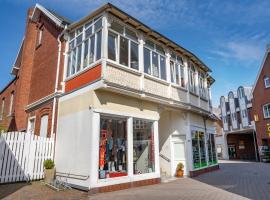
(248, 179)
(234, 181)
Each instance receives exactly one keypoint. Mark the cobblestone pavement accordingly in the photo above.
(248, 179)
(235, 180)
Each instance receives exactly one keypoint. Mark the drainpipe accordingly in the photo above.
(56, 80)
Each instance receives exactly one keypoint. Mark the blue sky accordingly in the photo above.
(229, 36)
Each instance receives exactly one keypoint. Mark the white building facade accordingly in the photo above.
(135, 104)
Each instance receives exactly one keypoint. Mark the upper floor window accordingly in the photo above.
(266, 111)
(192, 77)
(11, 102)
(202, 88)
(2, 109)
(123, 46)
(154, 60)
(266, 82)
(84, 46)
(244, 113)
(241, 92)
(39, 36)
(177, 70)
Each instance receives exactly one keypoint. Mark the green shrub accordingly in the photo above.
(180, 166)
(48, 164)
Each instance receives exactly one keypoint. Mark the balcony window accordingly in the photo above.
(128, 54)
(154, 60)
(112, 41)
(191, 73)
(266, 111)
(84, 47)
(202, 88)
(177, 70)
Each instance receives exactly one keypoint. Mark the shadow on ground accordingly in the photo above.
(8, 189)
(248, 179)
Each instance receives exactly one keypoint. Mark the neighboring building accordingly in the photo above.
(29, 101)
(261, 107)
(135, 103)
(131, 104)
(219, 135)
(238, 132)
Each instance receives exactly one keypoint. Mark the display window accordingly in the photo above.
(143, 146)
(198, 148)
(112, 147)
(211, 149)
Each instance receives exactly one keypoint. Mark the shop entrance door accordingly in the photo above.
(178, 152)
(232, 151)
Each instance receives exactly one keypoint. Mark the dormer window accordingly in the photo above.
(266, 82)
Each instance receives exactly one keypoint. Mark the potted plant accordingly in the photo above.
(179, 170)
(49, 171)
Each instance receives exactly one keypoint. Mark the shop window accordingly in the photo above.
(112, 148)
(211, 149)
(143, 147)
(198, 147)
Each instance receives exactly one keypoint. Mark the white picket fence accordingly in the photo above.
(22, 156)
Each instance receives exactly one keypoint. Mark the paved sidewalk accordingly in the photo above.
(248, 179)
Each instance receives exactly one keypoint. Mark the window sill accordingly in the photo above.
(193, 93)
(123, 67)
(156, 79)
(179, 87)
(38, 45)
(204, 99)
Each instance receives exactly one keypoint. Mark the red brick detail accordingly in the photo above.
(83, 79)
(202, 171)
(123, 186)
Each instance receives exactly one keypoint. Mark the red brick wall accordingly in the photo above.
(261, 96)
(24, 75)
(45, 61)
(8, 123)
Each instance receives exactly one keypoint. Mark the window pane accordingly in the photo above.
(92, 49)
(160, 49)
(143, 147)
(98, 55)
(149, 44)
(131, 34)
(177, 76)
(123, 51)
(112, 46)
(195, 149)
(134, 55)
(147, 62)
(155, 64)
(86, 52)
(210, 156)
(213, 149)
(117, 27)
(112, 148)
(98, 24)
(172, 71)
(79, 54)
(182, 76)
(73, 55)
(78, 39)
(88, 32)
(68, 66)
(71, 45)
(202, 149)
(162, 68)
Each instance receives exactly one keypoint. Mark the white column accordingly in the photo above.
(141, 60)
(186, 78)
(94, 153)
(130, 146)
(189, 152)
(104, 52)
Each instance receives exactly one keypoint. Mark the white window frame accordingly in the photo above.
(2, 108)
(70, 52)
(177, 65)
(11, 102)
(117, 45)
(28, 125)
(266, 113)
(266, 82)
(192, 76)
(154, 50)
